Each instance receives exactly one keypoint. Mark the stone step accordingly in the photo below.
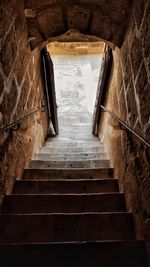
(63, 203)
(74, 137)
(87, 173)
(71, 119)
(74, 124)
(73, 144)
(26, 228)
(72, 150)
(70, 156)
(75, 114)
(41, 164)
(65, 186)
(80, 114)
(77, 127)
(74, 140)
(78, 131)
(129, 253)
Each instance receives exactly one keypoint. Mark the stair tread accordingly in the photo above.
(32, 203)
(72, 173)
(66, 185)
(66, 227)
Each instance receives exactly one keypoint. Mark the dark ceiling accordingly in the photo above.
(105, 19)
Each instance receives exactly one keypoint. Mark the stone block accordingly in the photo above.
(104, 25)
(145, 32)
(141, 80)
(78, 18)
(147, 133)
(127, 75)
(122, 106)
(1, 84)
(119, 77)
(22, 100)
(139, 7)
(21, 65)
(144, 104)
(132, 105)
(6, 15)
(8, 52)
(136, 56)
(30, 99)
(9, 102)
(124, 54)
(54, 19)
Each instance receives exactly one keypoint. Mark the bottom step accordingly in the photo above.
(97, 254)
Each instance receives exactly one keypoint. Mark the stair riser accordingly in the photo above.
(65, 150)
(69, 164)
(76, 128)
(74, 125)
(73, 144)
(63, 203)
(68, 173)
(73, 120)
(106, 254)
(79, 156)
(80, 131)
(57, 228)
(60, 186)
(75, 135)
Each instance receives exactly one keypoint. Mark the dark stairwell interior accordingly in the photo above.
(22, 91)
(68, 200)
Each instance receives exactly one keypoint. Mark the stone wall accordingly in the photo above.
(129, 98)
(21, 92)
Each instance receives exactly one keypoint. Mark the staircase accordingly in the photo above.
(67, 210)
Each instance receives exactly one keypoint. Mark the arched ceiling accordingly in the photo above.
(105, 19)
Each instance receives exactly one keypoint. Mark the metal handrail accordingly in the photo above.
(15, 123)
(126, 126)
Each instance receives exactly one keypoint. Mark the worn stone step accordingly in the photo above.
(77, 127)
(74, 124)
(65, 186)
(26, 228)
(71, 138)
(129, 253)
(79, 131)
(74, 138)
(75, 150)
(70, 156)
(87, 173)
(72, 119)
(72, 145)
(41, 164)
(98, 202)
(74, 114)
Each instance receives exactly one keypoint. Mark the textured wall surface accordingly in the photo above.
(51, 18)
(129, 98)
(21, 91)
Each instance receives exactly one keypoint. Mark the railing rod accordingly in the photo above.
(126, 126)
(21, 119)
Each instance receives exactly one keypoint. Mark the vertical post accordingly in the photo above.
(102, 87)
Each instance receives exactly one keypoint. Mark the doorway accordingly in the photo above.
(76, 73)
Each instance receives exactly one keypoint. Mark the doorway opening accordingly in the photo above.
(76, 75)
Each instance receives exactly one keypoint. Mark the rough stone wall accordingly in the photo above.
(129, 98)
(21, 92)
